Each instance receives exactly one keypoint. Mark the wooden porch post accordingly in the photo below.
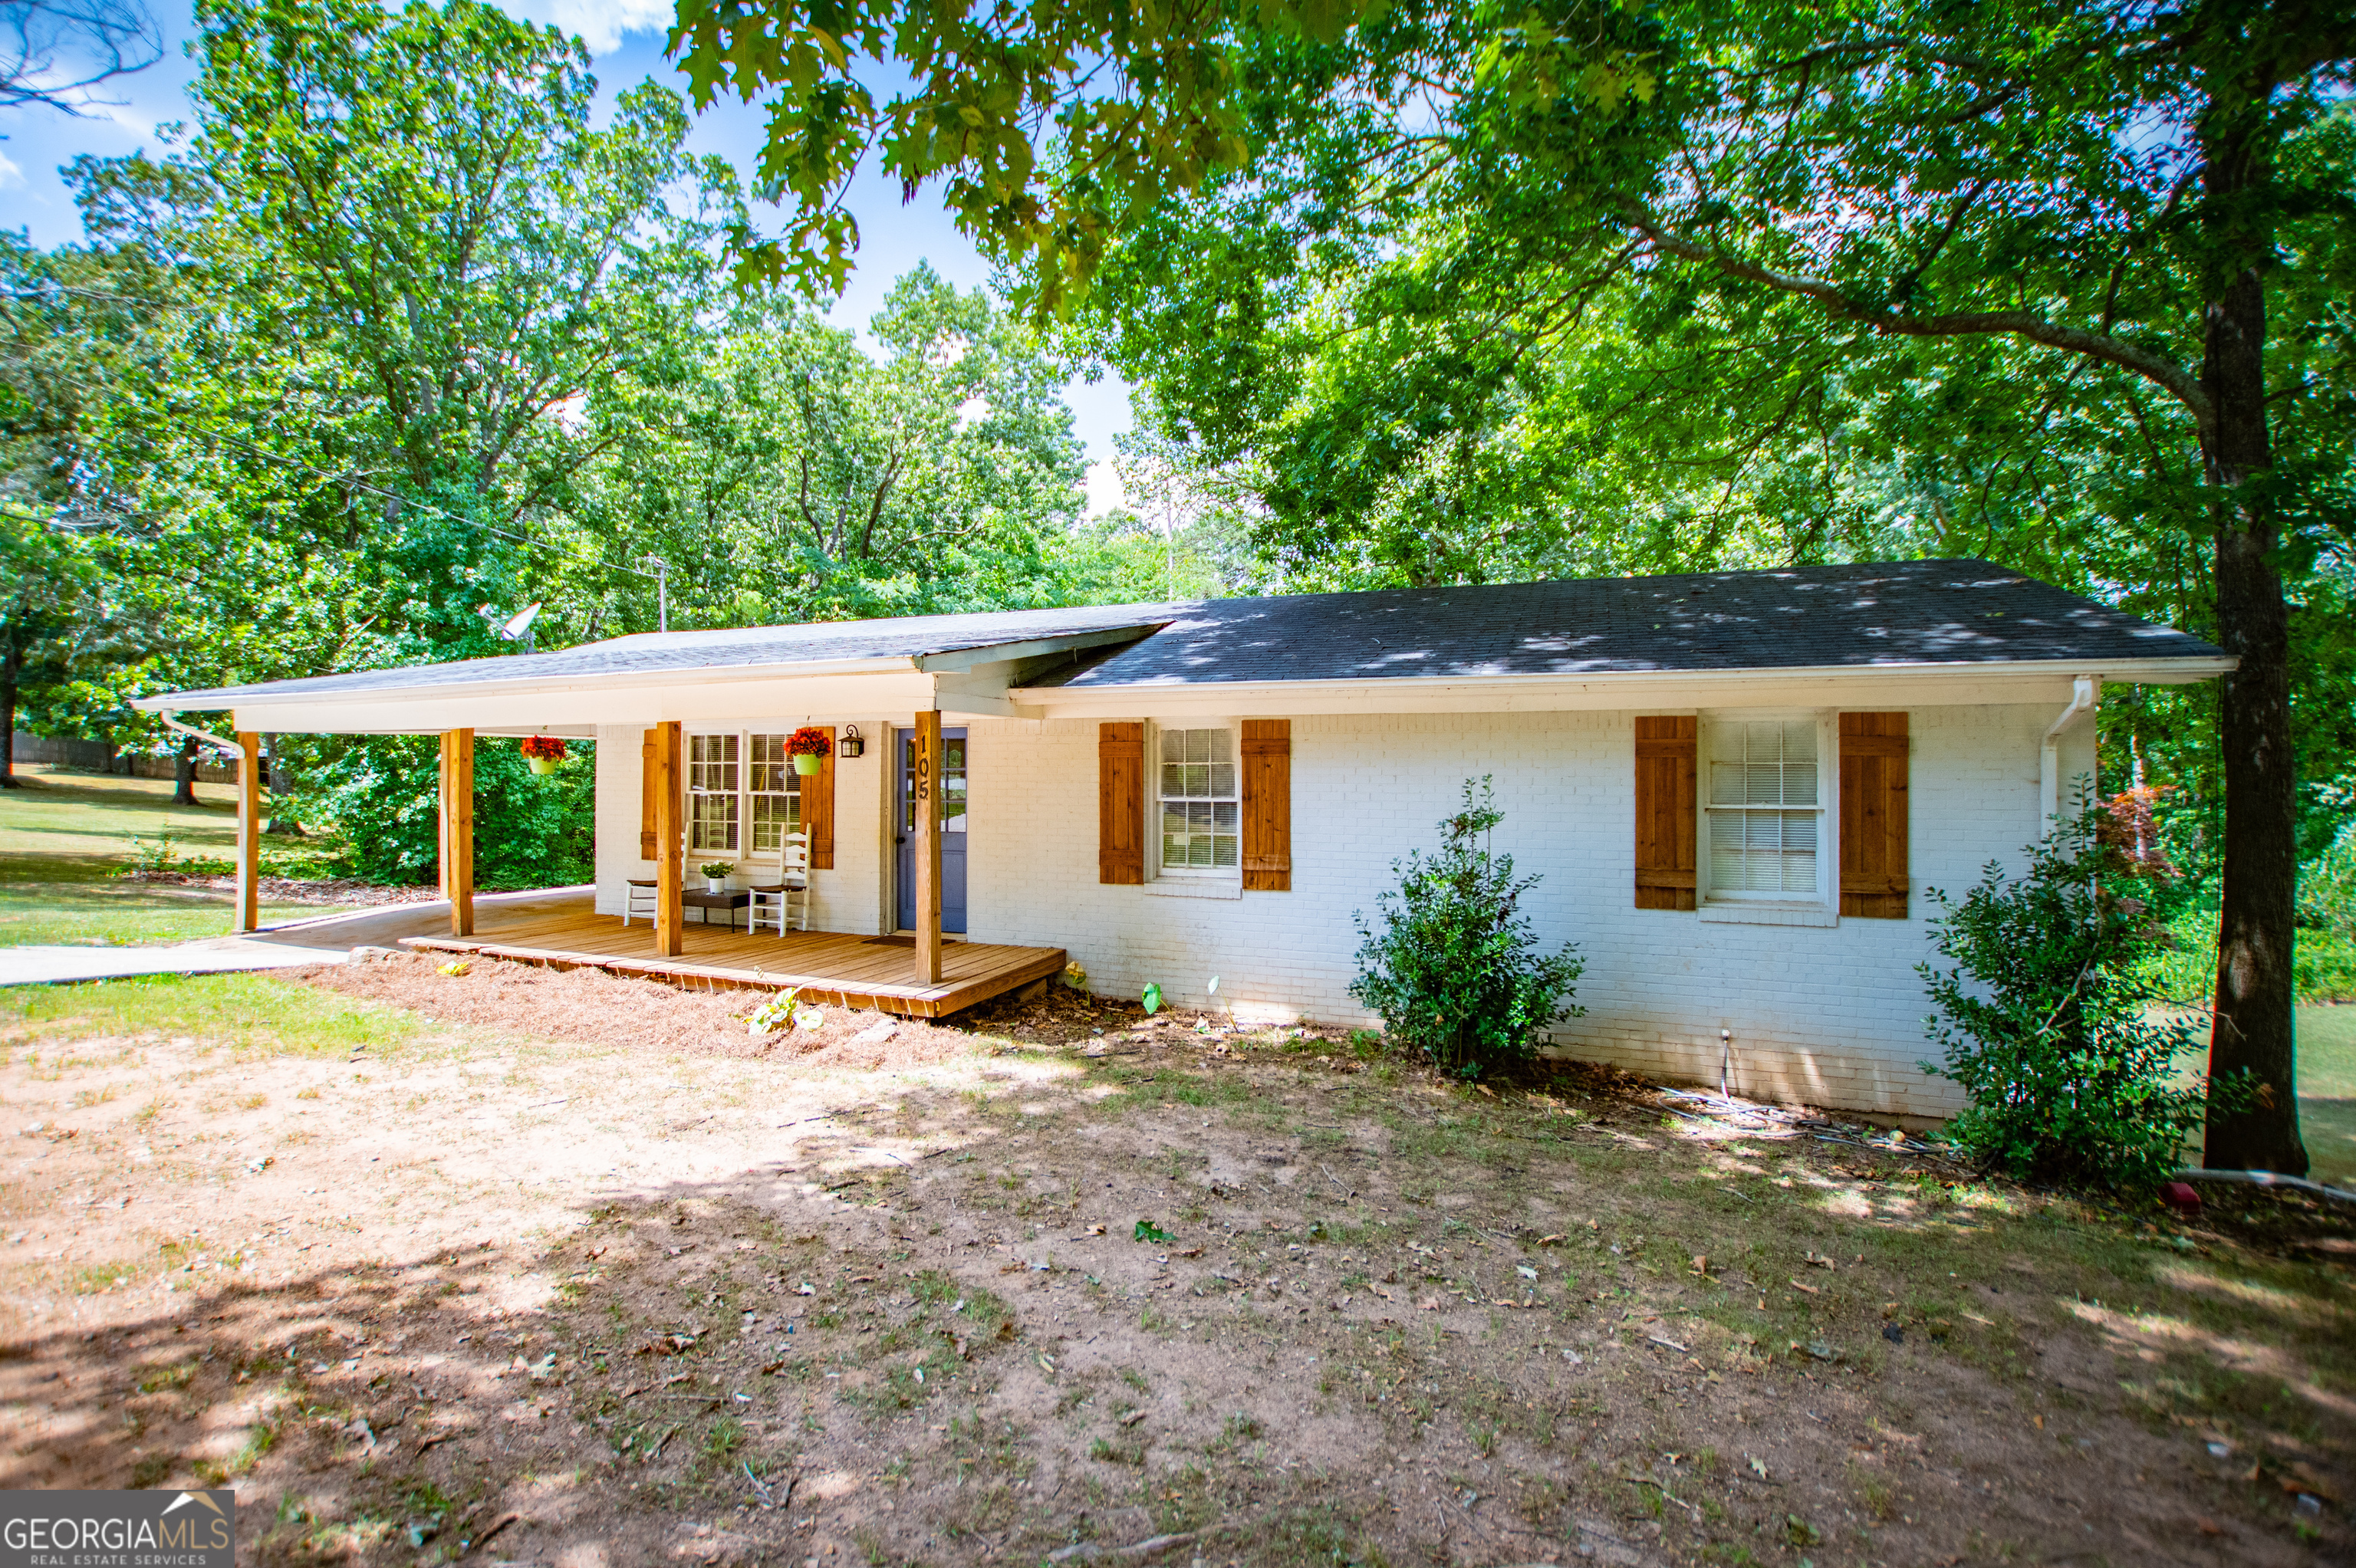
(249, 831)
(458, 828)
(670, 914)
(928, 847)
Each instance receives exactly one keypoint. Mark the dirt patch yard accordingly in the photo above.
(525, 1267)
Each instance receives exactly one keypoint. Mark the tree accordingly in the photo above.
(1748, 205)
(53, 52)
(789, 475)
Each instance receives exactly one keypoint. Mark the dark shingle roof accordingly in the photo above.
(1905, 612)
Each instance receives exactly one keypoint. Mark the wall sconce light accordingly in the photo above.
(851, 744)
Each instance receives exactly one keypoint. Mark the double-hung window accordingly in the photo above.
(713, 807)
(1202, 814)
(1763, 808)
(774, 791)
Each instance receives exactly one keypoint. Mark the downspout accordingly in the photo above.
(172, 723)
(2086, 695)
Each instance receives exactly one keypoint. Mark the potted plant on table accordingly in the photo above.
(715, 876)
(543, 751)
(808, 746)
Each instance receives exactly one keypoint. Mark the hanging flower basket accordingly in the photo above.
(808, 746)
(543, 751)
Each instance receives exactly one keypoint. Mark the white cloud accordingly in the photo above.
(11, 177)
(1105, 491)
(602, 22)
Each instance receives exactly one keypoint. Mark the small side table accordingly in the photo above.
(731, 900)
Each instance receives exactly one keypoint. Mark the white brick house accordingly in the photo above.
(1737, 786)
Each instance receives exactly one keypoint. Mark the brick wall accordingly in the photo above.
(1830, 1016)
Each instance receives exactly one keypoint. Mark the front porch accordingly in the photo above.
(828, 967)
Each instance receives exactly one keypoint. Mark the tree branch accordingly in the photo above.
(2167, 376)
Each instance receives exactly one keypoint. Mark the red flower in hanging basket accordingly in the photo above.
(809, 741)
(551, 747)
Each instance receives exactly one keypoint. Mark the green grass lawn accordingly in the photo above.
(2327, 1091)
(65, 839)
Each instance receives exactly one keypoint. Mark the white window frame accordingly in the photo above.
(792, 791)
(697, 853)
(744, 853)
(1820, 907)
(1191, 881)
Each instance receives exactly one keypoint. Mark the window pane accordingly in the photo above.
(1197, 790)
(711, 823)
(1762, 851)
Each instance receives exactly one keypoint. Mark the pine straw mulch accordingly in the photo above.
(593, 1007)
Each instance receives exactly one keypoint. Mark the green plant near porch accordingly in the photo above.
(1456, 970)
(2043, 1019)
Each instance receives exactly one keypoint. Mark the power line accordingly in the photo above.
(407, 501)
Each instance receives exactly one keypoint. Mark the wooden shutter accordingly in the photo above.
(1267, 805)
(1120, 804)
(818, 806)
(647, 795)
(1873, 747)
(1665, 771)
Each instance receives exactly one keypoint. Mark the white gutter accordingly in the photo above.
(172, 723)
(2086, 695)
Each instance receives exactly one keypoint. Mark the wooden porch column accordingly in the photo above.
(926, 787)
(249, 831)
(670, 914)
(458, 828)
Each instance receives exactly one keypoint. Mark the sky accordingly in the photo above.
(626, 37)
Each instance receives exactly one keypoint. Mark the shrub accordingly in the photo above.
(383, 792)
(1456, 971)
(2043, 1019)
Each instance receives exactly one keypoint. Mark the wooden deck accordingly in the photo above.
(826, 967)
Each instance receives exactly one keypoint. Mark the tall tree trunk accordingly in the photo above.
(282, 788)
(184, 773)
(2253, 1018)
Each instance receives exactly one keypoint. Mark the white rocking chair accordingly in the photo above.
(785, 901)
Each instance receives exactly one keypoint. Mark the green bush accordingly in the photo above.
(1456, 972)
(2043, 1020)
(2183, 969)
(530, 830)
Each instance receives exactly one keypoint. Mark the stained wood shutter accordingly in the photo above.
(647, 795)
(817, 807)
(1666, 751)
(1873, 876)
(1267, 805)
(1120, 803)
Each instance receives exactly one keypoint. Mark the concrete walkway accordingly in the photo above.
(327, 940)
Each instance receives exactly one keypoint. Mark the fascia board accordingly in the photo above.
(1928, 684)
(608, 682)
(552, 711)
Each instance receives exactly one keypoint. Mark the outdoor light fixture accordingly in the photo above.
(850, 745)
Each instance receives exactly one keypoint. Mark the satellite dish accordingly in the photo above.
(516, 628)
